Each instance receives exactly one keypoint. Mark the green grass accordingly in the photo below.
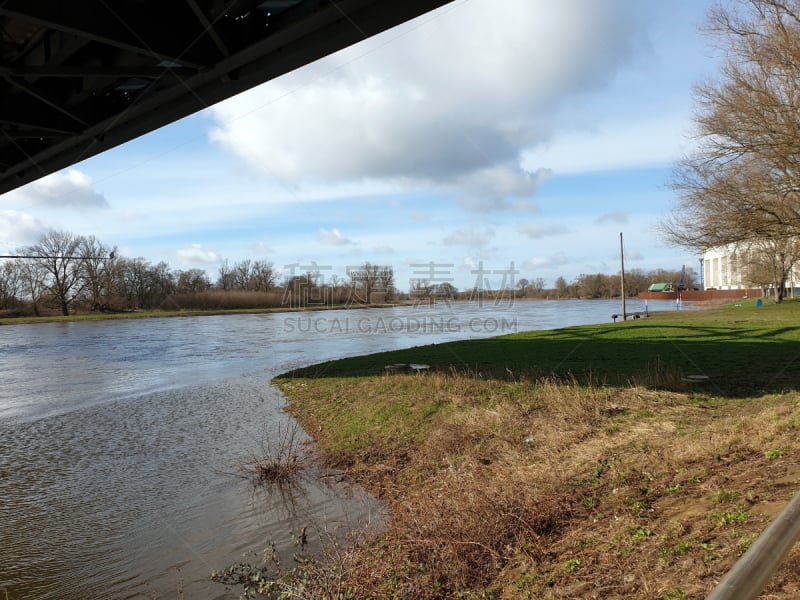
(740, 349)
(381, 429)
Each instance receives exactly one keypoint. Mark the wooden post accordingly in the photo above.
(622, 276)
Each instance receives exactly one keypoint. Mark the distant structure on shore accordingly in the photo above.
(739, 271)
(747, 267)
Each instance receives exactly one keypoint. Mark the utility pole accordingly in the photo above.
(622, 276)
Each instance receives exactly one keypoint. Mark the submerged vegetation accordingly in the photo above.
(605, 477)
(281, 459)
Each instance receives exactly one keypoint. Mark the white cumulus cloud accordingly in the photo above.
(196, 254)
(19, 229)
(60, 190)
(546, 262)
(537, 231)
(333, 237)
(452, 104)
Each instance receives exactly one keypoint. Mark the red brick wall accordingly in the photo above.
(702, 296)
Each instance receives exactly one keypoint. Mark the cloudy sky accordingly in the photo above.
(481, 135)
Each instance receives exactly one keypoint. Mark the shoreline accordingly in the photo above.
(168, 314)
(518, 485)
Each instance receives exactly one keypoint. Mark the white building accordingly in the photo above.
(721, 270)
(726, 269)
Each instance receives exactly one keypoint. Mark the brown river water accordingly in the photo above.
(119, 440)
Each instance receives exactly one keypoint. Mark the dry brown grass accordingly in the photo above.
(227, 300)
(552, 490)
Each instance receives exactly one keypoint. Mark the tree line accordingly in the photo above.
(740, 189)
(598, 285)
(584, 286)
(67, 273)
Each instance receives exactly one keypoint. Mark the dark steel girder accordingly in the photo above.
(78, 78)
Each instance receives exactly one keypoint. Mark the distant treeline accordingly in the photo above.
(599, 285)
(67, 273)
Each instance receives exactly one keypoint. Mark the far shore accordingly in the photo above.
(6, 318)
(164, 314)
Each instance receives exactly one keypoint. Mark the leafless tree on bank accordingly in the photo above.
(742, 184)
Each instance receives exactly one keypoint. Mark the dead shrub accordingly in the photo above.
(281, 459)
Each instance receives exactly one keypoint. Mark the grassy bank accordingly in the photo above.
(740, 348)
(576, 463)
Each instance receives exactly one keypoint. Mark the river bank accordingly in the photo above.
(639, 459)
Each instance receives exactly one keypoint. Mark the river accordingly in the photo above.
(120, 439)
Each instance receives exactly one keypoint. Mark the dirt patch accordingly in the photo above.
(683, 509)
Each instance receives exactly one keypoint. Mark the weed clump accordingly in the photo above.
(281, 459)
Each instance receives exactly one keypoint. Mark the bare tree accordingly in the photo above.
(96, 270)
(11, 284)
(227, 276)
(298, 289)
(594, 286)
(386, 282)
(420, 290)
(562, 287)
(132, 281)
(58, 253)
(264, 277)
(370, 283)
(243, 274)
(743, 182)
(770, 262)
(142, 284)
(34, 280)
(192, 280)
(443, 291)
(537, 285)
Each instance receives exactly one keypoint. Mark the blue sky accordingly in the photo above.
(482, 134)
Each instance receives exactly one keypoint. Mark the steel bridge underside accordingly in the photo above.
(80, 77)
